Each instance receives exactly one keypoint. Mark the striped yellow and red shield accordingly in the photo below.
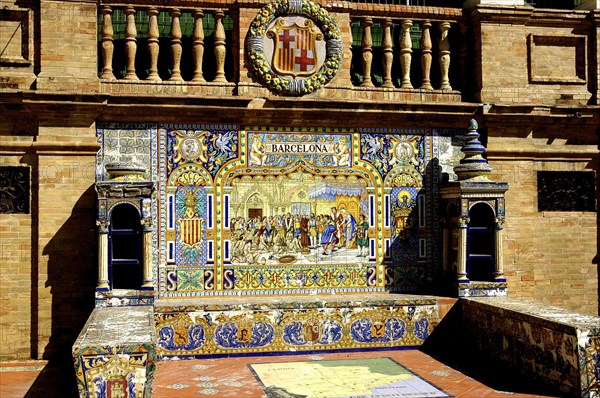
(191, 231)
(295, 48)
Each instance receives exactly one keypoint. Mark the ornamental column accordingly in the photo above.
(499, 256)
(461, 258)
(103, 283)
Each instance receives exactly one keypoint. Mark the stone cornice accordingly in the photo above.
(284, 111)
(524, 15)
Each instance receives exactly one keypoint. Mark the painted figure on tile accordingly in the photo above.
(329, 238)
(362, 238)
(190, 148)
(404, 153)
(258, 156)
(341, 157)
(304, 238)
(349, 228)
(339, 223)
(313, 232)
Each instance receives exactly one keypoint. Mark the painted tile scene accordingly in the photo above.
(299, 198)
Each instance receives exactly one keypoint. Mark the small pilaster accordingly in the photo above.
(103, 283)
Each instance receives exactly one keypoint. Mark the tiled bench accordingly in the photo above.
(550, 344)
(114, 354)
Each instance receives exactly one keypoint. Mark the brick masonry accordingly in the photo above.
(51, 104)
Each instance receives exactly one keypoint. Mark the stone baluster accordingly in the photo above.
(406, 53)
(175, 45)
(198, 46)
(130, 43)
(426, 56)
(107, 44)
(220, 50)
(367, 52)
(153, 44)
(445, 56)
(388, 56)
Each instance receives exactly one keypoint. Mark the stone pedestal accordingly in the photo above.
(114, 355)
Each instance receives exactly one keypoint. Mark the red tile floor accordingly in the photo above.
(231, 377)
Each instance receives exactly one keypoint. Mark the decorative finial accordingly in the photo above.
(473, 167)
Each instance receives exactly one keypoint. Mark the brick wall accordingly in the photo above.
(533, 59)
(68, 56)
(548, 256)
(15, 278)
(48, 256)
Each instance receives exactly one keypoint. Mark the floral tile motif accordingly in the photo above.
(177, 386)
(209, 391)
(235, 383)
(202, 367)
(204, 378)
(206, 384)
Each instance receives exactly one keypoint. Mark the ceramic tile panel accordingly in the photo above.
(114, 354)
(266, 210)
(200, 330)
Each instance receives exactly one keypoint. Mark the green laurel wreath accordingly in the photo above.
(262, 68)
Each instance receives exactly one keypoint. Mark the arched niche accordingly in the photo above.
(481, 243)
(125, 249)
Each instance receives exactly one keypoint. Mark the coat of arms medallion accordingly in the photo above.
(294, 47)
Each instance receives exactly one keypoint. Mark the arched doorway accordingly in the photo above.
(125, 248)
(480, 243)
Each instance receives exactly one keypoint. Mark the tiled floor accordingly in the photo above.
(231, 377)
(16, 378)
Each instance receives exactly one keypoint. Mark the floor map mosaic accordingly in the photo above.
(368, 377)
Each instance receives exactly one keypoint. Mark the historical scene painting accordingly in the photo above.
(291, 210)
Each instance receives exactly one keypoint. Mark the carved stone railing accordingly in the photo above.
(403, 50)
(152, 48)
(152, 38)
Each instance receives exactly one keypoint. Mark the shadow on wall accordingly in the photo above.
(453, 344)
(72, 280)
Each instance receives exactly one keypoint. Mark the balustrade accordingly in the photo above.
(151, 25)
(181, 45)
(412, 37)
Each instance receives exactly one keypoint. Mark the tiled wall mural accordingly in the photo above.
(251, 210)
(296, 326)
(255, 210)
